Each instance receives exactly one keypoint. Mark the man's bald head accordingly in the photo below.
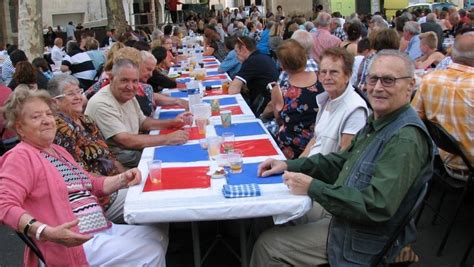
(462, 52)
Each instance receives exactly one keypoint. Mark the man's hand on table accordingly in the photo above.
(271, 167)
(177, 138)
(179, 121)
(183, 115)
(297, 182)
(182, 103)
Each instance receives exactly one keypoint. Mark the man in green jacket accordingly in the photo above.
(365, 190)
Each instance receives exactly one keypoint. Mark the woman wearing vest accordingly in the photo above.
(342, 111)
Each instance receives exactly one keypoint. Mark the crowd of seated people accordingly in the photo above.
(338, 89)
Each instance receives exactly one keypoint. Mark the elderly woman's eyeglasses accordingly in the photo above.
(386, 81)
(77, 92)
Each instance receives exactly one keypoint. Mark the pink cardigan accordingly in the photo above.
(30, 183)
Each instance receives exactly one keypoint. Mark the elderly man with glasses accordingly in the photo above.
(368, 188)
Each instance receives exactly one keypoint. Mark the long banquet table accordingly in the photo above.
(144, 205)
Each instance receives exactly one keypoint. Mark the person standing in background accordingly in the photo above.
(173, 7)
(49, 37)
(70, 29)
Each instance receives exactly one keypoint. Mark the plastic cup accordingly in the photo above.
(226, 118)
(201, 124)
(221, 160)
(188, 120)
(154, 170)
(200, 74)
(203, 143)
(215, 107)
(213, 146)
(225, 87)
(235, 160)
(228, 140)
(201, 111)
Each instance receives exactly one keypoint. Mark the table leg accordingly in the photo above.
(243, 244)
(196, 244)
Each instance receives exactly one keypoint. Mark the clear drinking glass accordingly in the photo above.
(154, 170)
(228, 140)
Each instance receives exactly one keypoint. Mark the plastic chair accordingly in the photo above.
(27, 240)
(447, 143)
(259, 103)
(381, 259)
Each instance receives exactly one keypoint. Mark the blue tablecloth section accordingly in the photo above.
(179, 94)
(210, 73)
(183, 80)
(211, 83)
(224, 101)
(166, 115)
(184, 153)
(249, 176)
(241, 129)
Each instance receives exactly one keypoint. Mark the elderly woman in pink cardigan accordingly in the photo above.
(50, 198)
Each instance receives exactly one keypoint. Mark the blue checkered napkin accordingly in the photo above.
(241, 190)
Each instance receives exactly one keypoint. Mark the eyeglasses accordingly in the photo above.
(386, 81)
(77, 92)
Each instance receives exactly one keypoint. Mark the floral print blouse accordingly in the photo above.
(87, 145)
(298, 116)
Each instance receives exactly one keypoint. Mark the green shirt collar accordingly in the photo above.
(383, 121)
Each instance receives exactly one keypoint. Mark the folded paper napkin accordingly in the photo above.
(241, 190)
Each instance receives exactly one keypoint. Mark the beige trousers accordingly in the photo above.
(295, 245)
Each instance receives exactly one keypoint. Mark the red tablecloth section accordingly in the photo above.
(181, 85)
(209, 60)
(213, 92)
(180, 178)
(236, 110)
(193, 133)
(211, 66)
(256, 148)
(216, 77)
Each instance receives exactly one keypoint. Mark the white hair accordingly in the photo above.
(412, 27)
(379, 21)
(305, 39)
(409, 65)
(308, 25)
(145, 55)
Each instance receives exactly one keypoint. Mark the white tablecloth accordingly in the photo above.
(209, 203)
